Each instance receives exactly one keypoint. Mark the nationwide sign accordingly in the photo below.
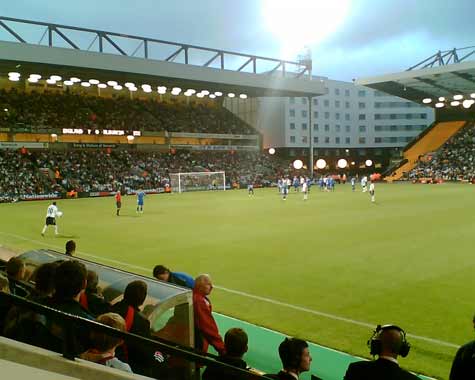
(19, 145)
(105, 132)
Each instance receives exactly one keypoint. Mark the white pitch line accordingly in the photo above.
(248, 295)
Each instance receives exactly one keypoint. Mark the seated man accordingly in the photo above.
(463, 366)
(235, 342)
(162, 273)
(387, 342)
(16, 273)
(295, 358)
(91, 299)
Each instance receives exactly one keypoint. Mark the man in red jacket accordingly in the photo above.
(206, 330)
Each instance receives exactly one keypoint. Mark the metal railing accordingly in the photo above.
(189, 54)
(443, 58)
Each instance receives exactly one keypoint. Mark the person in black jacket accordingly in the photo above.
(388, 342)
(92, 299)
(295, 358)
(235, 342)
(463, 366)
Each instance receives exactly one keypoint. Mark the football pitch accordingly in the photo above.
(327, 270)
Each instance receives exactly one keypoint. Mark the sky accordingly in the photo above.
(348, 39)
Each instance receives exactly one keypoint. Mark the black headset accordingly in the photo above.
(374, 343)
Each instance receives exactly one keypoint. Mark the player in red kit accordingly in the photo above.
(118, 201)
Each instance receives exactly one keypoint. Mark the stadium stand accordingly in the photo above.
(453, 161)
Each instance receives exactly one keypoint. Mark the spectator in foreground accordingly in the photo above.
(463, 366)
(387, 342)
(16, 273)
(5, 288)
(104, 346)
(206, 330)
(235, 342)
(295, 358)
(70, 248)
(162, 273)
(91, 299)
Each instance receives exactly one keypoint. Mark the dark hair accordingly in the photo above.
(14, 267)
(44, 278)
(290, 352)
(92, 281)
(70, 247)
(135, 293)
(54, 203)
(70, 278)
(160, 269)
(235, 341)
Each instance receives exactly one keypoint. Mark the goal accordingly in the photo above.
(196, 181)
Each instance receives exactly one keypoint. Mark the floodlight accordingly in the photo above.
(35, 76)
(298, 164)
(85, 84)
(15, 79)
(118, 87)
(55, 78)
(146, 89)
(191, 91)
(112, 83)
(368, 163)
(468, 103)
(472, 95)
(212, 96)
(231, 95)
(271, 150)
(426, 100)
(441, 99)
(205, 92)
(50, 81)
(455, 103)
(129, 84)
(68, 83)
(342, 163)
(102, 85)
(458, 97)
(200, 95)
(243, 96)
(439, 105)
(187, 93)
(75, 80)
(93, 81)
(13, 74)
(144, 86)
(218, 93)
(133, 89)
(321, 163)
(32, 80)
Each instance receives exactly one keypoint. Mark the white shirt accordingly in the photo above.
(391, 359)
(371, 187)
(52, 211)
(304, 187)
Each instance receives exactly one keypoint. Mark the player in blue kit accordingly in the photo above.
(140, 198)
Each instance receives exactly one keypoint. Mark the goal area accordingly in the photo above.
(197, 181)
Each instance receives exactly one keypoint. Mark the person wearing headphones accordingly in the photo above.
(463, 366)
(387, 342)
(295, 358)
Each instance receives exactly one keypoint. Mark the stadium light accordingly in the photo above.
(191, 91)
(133, 89)
(32, 80)
(85, 84)
(50, 81)
(146, 89)
(368, 163)
(439, 105)
(231, 95)
(5, 109)
(56, 78)
(321, 163)
(441, 99)
(187, 93)
(102, 85)
(68, 83)
(129, 84)
(297, 164)
(455, 103)
(117, 87)
(144, 86)
(427, 100)
(342, 163)
(94, 81)
(271, 151)
(218, 93)
(176, 90)
(13, 74)
(75, 80)
(352, 162)
(35, 76)
(200, 95)
(112, 83)
(468, 103)
(205, 92)
(14, 79)
(458, 97)
(243, 96)
(212, 96)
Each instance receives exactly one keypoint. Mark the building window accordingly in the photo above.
(347, 92)
(315, 102)
(361, 105)
(337, 140)
(347, 128)
(327, 140)
(347, 104)
(338, 128)
(347, 116)
(292, 125)
(315, 127)
(304, 126)
(362, 116)
(347, 140)
(304, 113)
(361, 93)
(292, 113)
(315, 114)
(292, 100)
(304, 139)
(337, 91)
(362, 128)
(315, 140)
(378, 140)
(327, 115)
(362, 140)
(304, 100)
(337, 116)
(326, 103)
(337, 103)
(327, 128)
(292, 139)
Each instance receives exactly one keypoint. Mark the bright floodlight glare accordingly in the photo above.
(468, 103)
(146, 89)
(32, 80)
(102, 85)
(441, 99)
(271, 151)
(144, 86)
(68, 82)
(50, 81)
(75, 80)
(218, 93)
(368, 163)
(439, 105)
(472, 95)
(133, 89)
(93, 81)
(13, 74)
(200, 95)
(231, 95)
(298, 164)
(243, 96)
(302, 22)
(212, 96)
(321, 163)
(129, 84)
(191, 91)
(112, 83)
(455, 103)
(342, 163)
(85, 84)
(458, 97)
(35, 76)
(161, 88)
(15, 79)
(426, 100)
(352, 162)
(347, 150)
(205, 92)
(187, 93)
(55, 78)
(118, 87)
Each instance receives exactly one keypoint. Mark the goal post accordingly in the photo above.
(197, 181)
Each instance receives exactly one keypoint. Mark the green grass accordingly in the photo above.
(408, 259)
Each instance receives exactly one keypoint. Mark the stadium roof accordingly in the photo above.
(65, 52)
(427, 83)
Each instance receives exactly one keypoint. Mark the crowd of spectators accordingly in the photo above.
(47, 171)
(454, 161)
(53, 110)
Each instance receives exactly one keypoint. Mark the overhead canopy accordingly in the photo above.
(416, 85)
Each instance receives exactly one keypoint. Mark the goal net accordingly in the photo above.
(196, 181)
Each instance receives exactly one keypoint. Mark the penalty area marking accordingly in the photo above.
(247, 295)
